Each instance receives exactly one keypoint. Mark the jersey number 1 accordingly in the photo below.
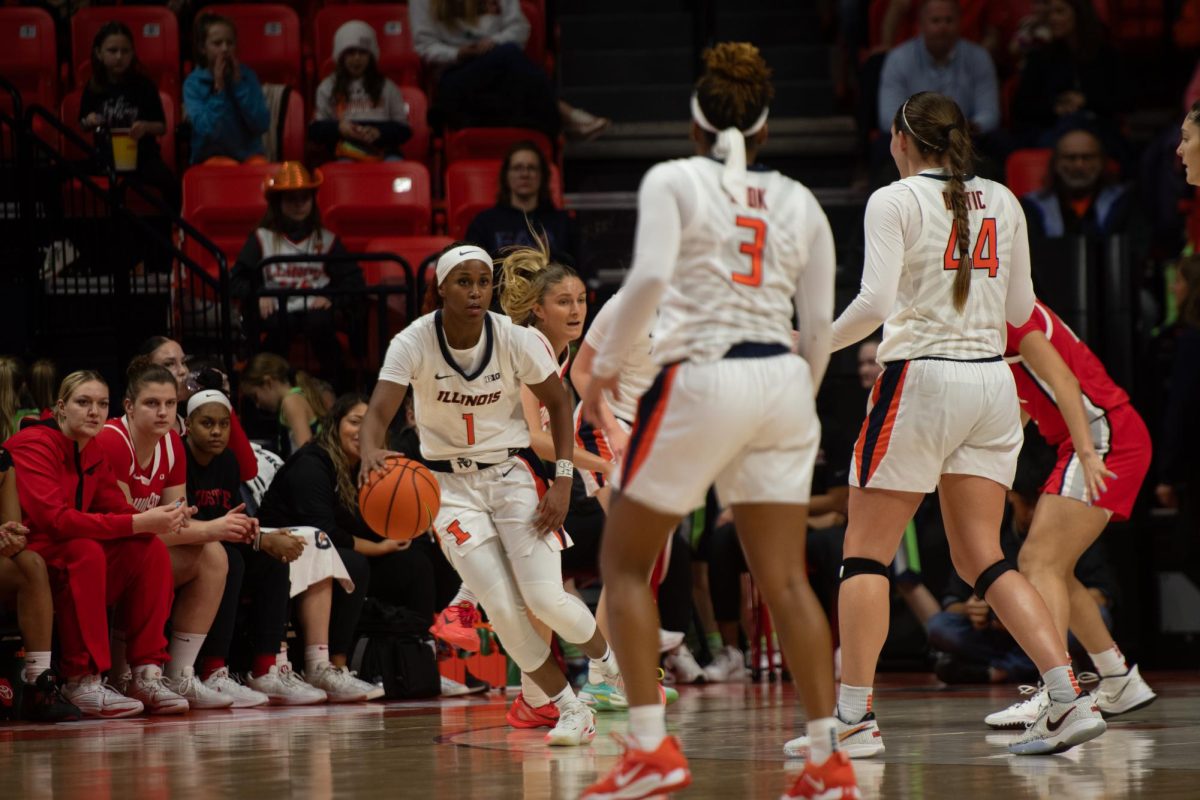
(470, 420)
(753, 249)
(985, 240)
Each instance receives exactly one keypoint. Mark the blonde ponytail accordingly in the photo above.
(525, 275)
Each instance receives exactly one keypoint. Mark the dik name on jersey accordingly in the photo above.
(468, 399)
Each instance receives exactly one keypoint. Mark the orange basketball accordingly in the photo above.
(402, 499)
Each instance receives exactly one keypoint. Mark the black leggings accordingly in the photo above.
(675, 592)
(419, 578)
(347, 607)
(265, 581)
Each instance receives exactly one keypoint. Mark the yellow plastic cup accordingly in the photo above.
(125, 150)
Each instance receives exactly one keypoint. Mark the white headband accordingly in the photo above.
(207, 396)
(458, 255)
(730, 148)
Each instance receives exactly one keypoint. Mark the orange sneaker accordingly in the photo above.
(833, 780)
(522, 715)
(641, 773)
(456, 625)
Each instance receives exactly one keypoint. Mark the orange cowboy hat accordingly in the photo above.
(292, 176)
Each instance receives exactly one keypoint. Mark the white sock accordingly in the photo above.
(853, 702)
(464, 595)
(120, 665)
(605, 666)
(316, 656)
(36, 662)
(1061, 684)
(184, 648)
(281, 657)
(564, 699)
(141, 669)
(1110, 662)
(534, 695)
(648, 725)
(822, 739)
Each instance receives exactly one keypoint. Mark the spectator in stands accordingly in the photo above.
(1179, 468)
(25, 588)
(269, 381)
(1075, 73)
(292, 227)
(1032, 32)
(973, 646)
(523, 206)
(120, 97)
(223, 98)
(99, 551)
(473, 49)
(43, 382)
(317, 487)
(258, 567)
(361, 115)
(1082, 197)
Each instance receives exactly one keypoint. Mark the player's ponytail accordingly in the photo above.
(736, 85)
(525, 275)
(937, 128)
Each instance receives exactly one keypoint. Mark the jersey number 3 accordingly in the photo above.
(986, 240)
(753, 249)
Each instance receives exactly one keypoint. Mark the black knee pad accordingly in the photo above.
(989, 576)
(861, 566)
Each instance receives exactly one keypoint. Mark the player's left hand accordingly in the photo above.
(1094, 473)
(553, 508)
(593, 397)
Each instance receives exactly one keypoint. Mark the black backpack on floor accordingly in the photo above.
(394, 648)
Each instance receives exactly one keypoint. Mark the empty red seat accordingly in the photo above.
(397, 58)
(28, 57)
(155, 40)
(471, 186)
(477, 143)
(225, 203)
(1026, 169)
(417, 147)
(535, 46)
(268, 40)
(360, 202)
(413, 249)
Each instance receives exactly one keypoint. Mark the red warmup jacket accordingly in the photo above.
(65, 492)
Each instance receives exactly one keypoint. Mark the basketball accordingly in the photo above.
(402, 499)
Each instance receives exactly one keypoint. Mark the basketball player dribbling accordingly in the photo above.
(722, 252)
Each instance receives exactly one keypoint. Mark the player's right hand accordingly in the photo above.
(593, 396)
(1094, 473)
(162, 519)
(373, 460)
(978, 612)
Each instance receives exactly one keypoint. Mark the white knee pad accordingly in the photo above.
(565, 613)
(512, 625)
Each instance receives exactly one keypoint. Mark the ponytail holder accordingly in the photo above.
(730, 147)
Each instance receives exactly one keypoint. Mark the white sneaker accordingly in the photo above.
(860, 739)
(682, 666)
(576, 726)
(669, 640)
(337, 683)
(452, 688)
(197, 694)
(1120, 694)
(95, 698)
(149, 686)
(1022, 713)
(374, 690)
(729, 665)
(242, 696)
(1060, 727)
(285, 688)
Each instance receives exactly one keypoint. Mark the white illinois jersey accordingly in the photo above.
(738, 265)
(472, 414)
(923, 320)
(638, 367)
(564, 366)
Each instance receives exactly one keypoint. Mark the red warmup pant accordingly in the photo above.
(89, 575)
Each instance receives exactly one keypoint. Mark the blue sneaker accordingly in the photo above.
(604, 696)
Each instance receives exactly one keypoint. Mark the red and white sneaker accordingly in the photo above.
(832, 780)
(455, 625)
(642, 773)
(522, 715)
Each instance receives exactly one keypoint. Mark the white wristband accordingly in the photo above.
(564, 468)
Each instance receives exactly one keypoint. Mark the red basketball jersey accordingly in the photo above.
(1100, 394)
(167, 467)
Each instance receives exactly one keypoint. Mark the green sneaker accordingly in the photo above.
(669, 695)
(603, 697)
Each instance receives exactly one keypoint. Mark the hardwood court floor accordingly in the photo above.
(937, 747)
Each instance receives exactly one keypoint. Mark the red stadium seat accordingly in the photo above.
(360, 202)
(294, 129)
(535, 46)
(155, 40)
(28, 56)
(471, 187)
(225, 203)
(414, 250)
(268, 40)
(477, 143)
(70, 117)
(417, 148)
(1026, 169)
(397, 58)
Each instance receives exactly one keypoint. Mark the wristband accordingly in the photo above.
(564, 468)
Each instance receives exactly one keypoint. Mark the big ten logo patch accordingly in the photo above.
(323, 540)
(495, 376)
